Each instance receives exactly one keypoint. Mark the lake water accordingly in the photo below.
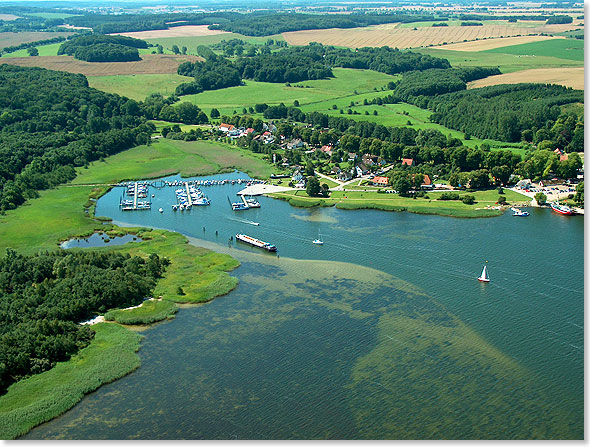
(383, 332)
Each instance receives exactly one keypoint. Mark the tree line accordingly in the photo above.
(102, 48)
(257, 23)
(43, 297)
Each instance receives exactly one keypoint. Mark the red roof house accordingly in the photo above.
(408, 161)
(380, 181)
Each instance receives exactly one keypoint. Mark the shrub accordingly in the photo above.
(468, 199)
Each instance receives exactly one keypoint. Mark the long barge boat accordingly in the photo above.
(562, 209)
(255, 242)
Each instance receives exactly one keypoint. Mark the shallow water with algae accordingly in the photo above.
(381, 333)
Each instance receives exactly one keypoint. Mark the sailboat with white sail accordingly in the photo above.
(484, 277)
(319, 240)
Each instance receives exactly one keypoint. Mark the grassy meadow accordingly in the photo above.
(138, 86)
(371, 199)
(343, 85)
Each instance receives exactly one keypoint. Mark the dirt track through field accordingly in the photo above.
(150, 64)
(395, 36)
(570, 77)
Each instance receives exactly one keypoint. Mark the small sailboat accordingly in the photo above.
(161, 210)
(484, 277)
(319, 240)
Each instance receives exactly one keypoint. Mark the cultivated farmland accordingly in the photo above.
(175, 31)
(10, 39)
(150, 64)
(570, 77)
(394, 35)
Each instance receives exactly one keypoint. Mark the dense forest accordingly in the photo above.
(289, 65)
(100, 48)
(51, 122)
(436, 81)
(507, 112)
(43, 298)
(214, 73)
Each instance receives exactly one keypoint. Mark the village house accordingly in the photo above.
(295, 144)
(344, 176)
(408, 161)
(426, 182)
(380, 181)
(226, 127)
(361, 169)
(326, 150)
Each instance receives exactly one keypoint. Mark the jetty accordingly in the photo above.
(188, 194)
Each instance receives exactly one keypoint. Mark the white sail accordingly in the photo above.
(484, 274)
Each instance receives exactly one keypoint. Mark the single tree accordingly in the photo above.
(175, 49)
(33, 51)
(214, 113)
(313, 187)
(541, 198)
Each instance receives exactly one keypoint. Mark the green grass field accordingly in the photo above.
(344, 84)
(393, 202)
(139, 86)
(149, 312)
(44, 50)
(570, 49)
(30, 402)
(192, 42)
(495, 58)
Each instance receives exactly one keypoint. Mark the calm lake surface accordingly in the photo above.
(383, 332)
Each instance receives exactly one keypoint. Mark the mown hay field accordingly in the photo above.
(394, 35)
(10, 39)
(150, 64)
(570, 77)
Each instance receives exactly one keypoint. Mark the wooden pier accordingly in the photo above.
(135, 198)
(188, 194)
